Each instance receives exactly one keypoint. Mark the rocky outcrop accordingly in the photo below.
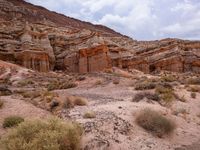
(176, 56)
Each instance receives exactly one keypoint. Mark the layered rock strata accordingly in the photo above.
(42, 40)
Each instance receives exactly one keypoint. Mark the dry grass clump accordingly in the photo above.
(193, 95)
(31, 94)
(68, 85)
(4, 91)
(193, 88)
(57, 85)
(168, 78)
(53, 134)
(89, 114)
(154, 122)
(194, 81)
(72, 101)
(25, 82)
(166, 93)
(80, 101)
(1, 104)
(180, 111)
(146, 85)
(12, 121)
(116, 81)
(81, 78)
(151, 96)
(98, 82)
(48, 96)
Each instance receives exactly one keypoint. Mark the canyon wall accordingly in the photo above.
(38, 39)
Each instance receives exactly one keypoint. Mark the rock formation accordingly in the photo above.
(42, 40)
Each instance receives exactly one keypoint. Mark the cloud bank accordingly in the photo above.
(139, 19)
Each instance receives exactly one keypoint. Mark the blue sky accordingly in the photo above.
(139, 19)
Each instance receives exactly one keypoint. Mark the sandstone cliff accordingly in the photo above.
(43, 40)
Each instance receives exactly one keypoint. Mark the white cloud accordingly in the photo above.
(140, 19)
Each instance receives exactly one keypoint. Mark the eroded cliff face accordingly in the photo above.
(42, 40)
(169, 54)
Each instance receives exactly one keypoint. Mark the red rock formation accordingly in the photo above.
(42, 40)
(88, 60)
(36, 60)
(94, 59)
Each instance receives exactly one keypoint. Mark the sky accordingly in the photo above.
(139, 19)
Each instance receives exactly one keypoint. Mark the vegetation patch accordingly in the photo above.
(12, 121)
(146, 85)
(89, 114)
(194, 81)
(151, 96)
(1, 104)
(53, 134)
(80, 101)
(165, 93)
(56, 85)
(168, 78)
(193, 95)
(155, 123)
(25, 82)
(72, 101)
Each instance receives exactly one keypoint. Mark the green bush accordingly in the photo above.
(53, 134)
(155, 122)
(12, 121)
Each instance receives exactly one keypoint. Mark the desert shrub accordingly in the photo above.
(98, 82)
(81, 78)
(193, 95)
(47, 96)
(54, 104)
(146, 85)
(72, 101)
(25, 82)
(155, 122)
(194, 81)
(80, 101)
(166, 94)
(193, 88)
(182, 99)
(31, 94)
(180, 111)
(148, 95)
(56, 85)
(168, 78)
(53, 134)
(67, 85)
(116, 81)
(68, 103)
(12, 121)
(89, 114)
(4, 91)
(1, 104)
